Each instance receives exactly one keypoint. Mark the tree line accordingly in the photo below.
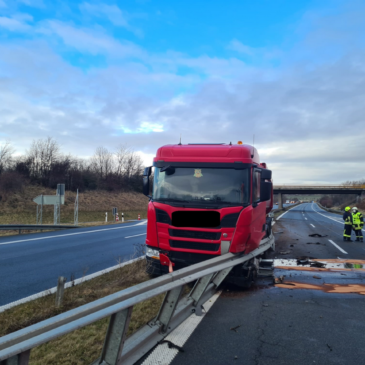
(45, 164)
(341, 200)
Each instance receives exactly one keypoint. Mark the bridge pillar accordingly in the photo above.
(280, 201)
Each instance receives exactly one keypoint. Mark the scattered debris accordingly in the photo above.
(284, 252)
(317, 264)
(265, 305)
(303, 261)
(236, 357)
(235, 328)
(317, 235)
(291, 245)
(172, 345)
(279, 280)
(317, 277)
(329, 347)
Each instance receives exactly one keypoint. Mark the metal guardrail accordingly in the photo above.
(15, 347)
(33, 227)
(361, 187)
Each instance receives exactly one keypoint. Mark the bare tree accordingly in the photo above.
(6, 152)
(133, 164)
(42, 154)
(102, 162)
(121, 156)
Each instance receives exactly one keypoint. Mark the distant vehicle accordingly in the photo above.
(207, 200)
(287, 202)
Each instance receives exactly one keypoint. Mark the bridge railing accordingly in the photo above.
(344, 187)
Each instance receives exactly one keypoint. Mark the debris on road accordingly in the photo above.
(317, 235)
(317, 277)
(265, 305)
(329, 347)
(284, 252)
(303, 261)
(172, 345)
(279, 280)
(235, 328)
(317, 264)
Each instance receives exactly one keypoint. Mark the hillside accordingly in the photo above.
(20, 208)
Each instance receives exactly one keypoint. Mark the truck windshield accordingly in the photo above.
(220, 186)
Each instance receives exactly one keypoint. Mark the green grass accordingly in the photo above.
(82, 346)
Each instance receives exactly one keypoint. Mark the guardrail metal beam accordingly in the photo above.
(118, 306)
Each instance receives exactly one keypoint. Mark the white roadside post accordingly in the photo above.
(122, 217)
(106, 216)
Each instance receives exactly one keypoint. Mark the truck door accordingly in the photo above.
(258, 209)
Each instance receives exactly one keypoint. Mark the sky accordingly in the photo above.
(143, 72)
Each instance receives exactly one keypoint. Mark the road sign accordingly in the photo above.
(48, 200)
(115, 211)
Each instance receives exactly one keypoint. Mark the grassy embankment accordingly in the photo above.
(84, 345)
(19, 208)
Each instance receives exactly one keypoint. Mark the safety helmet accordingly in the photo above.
(347, 209)
(354, 208)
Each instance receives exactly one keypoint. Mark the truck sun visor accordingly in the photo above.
(162, 216)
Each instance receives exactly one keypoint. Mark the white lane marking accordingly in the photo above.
(164, 355)
(136, 235)
(69, 234)
(281, 215)
(326, 215)
(312, 225)
(338, 247)
(67, 285)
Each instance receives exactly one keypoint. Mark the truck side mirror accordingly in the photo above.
(265, 190)
(266, 174)
(265, 185)
(146, 181)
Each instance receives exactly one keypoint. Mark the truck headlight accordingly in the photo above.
(155, 254)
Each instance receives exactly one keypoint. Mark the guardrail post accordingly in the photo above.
(20, 359)
(115, 337)
(168, 307)
(60, 290)
(221, 275)
(200, 287)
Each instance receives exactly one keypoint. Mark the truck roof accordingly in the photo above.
(223, 153)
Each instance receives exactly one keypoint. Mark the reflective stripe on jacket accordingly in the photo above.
(357, 218)
(347, 217)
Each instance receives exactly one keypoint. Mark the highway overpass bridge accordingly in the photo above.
(316, 189)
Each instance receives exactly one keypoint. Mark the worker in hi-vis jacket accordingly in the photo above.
(357, 224)
(347, 217)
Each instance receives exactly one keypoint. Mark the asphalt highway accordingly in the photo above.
(31, 263)
(314, 317)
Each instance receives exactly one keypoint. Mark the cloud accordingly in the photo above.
(239, 47)
(306, 112)
(93, 41)
(111, 12)
(13, 25)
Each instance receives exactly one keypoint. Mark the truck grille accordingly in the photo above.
(215, 236)
(195, 245)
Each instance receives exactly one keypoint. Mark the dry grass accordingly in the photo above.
(84, 345)
(19, 207)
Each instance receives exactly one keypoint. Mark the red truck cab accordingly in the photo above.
(207, 200)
